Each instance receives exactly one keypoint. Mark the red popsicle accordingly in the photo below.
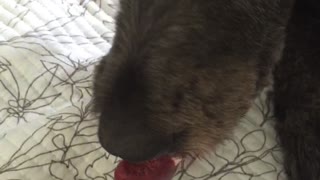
(162, 168)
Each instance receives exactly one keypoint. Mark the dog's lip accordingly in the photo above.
(176, 159)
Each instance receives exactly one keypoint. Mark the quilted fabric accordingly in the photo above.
(48, 49)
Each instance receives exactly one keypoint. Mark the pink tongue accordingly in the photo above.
(158, 169)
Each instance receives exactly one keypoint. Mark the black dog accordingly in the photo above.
(181, 73)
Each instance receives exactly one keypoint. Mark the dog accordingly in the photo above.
(181, 73)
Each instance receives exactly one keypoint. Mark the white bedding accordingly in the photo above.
(48, 49)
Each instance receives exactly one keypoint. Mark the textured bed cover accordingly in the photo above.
(48, 49)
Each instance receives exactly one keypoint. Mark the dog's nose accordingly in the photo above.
(133, 144)
(136, 148)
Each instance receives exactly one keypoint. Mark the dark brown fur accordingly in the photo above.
(181, 73)
(297, 93)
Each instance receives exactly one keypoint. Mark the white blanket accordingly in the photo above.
(48, 49)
